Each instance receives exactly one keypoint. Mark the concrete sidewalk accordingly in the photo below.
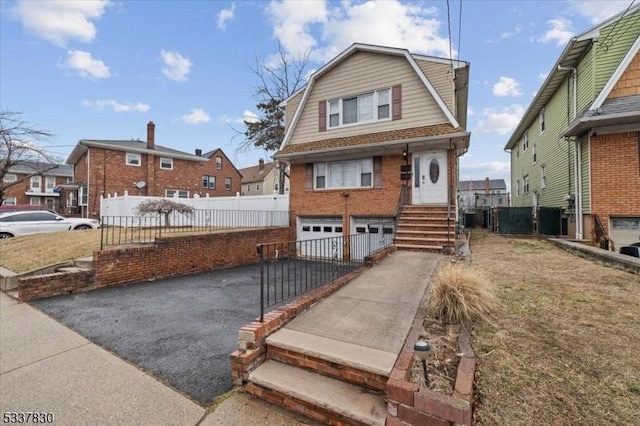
(45, 367)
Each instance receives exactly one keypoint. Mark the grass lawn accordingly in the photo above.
(564, 345)
(22, 254)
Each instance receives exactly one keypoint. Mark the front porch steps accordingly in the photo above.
(317, 396)
(425, 228)
(330, 381)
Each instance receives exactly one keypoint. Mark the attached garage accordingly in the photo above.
(624, 230)
(323, 231)
(378, 233)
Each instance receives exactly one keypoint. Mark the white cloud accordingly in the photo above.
(470, 112)
(176, 67)
(226, 15)
(196, 116)
(86, 66)
(60, 21)
(507, 34)
(249, 117)
(387, 23)
(507, 86)
(598, 10)
(116, 106)
(543, 76)
(500, 121)
(561, 32)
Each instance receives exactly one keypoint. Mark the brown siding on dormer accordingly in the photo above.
(360, 73)
(440, 77)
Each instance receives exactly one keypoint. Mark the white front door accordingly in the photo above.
(430, 177)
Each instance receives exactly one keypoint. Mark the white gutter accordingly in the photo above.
(578, 172)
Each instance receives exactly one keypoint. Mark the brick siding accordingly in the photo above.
(110, 174)
(169, 256)
(615, 175)
(360, 201)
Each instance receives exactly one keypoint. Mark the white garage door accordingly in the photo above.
(625, 231)
(377, 233)
(317, 237)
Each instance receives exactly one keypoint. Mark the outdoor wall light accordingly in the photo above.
(421, 349)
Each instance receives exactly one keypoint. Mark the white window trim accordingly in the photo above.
(10, 177)
(525, 184)
(176, 191)
(534, 156)
(34, 179)
(209, 178)
(543, 176)
(134, 155)
(375, 118)
(542, 121)
(166, 160)
(228, 183)
(10, 201)
(47, 180)
(327, 176)
(83, 196)
(34, 201)
(218, 163)
(518, 187)
(525, 141)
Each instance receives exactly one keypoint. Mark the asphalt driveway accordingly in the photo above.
(182, 329)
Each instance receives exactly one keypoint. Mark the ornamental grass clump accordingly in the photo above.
(459, 294)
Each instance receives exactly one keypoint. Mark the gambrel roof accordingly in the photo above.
(359, 47)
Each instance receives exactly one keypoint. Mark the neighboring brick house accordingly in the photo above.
(474, 194)
(38, 184)
(578, 145)
(104, 167)
(263, 179)
(362, 117)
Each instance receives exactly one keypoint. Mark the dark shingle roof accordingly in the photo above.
(480, 185)
(34, 167)
(252, 174)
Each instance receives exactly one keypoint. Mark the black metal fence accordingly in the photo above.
(293, 268)
(124, 230)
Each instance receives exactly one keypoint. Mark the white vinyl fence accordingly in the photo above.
(215, 212)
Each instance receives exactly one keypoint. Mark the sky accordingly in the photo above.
(104, 69)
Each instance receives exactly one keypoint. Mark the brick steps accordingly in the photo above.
(330, 381)
(316, 396)
(424, 228)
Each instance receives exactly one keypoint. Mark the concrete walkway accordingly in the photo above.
(46, 367)
(368, 320)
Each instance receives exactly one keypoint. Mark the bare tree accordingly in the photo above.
(20, 146)
(278, 77)
(163, 207)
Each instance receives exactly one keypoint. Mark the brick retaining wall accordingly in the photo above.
(169, 256)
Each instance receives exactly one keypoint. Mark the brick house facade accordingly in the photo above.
(38, 184)
(103, 167)
(362, 117)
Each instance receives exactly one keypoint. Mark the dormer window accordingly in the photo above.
(364, 108)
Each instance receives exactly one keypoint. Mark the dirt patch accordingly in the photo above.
(563, 346)
(443, 360)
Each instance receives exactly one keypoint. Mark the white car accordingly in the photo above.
(13, 224)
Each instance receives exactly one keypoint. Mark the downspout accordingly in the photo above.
(578, 159)
(88, 186)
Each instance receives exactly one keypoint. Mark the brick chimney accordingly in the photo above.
(151, 135)
(260, 166)
(487, 185)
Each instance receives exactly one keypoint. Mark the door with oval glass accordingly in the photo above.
(430, 177)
